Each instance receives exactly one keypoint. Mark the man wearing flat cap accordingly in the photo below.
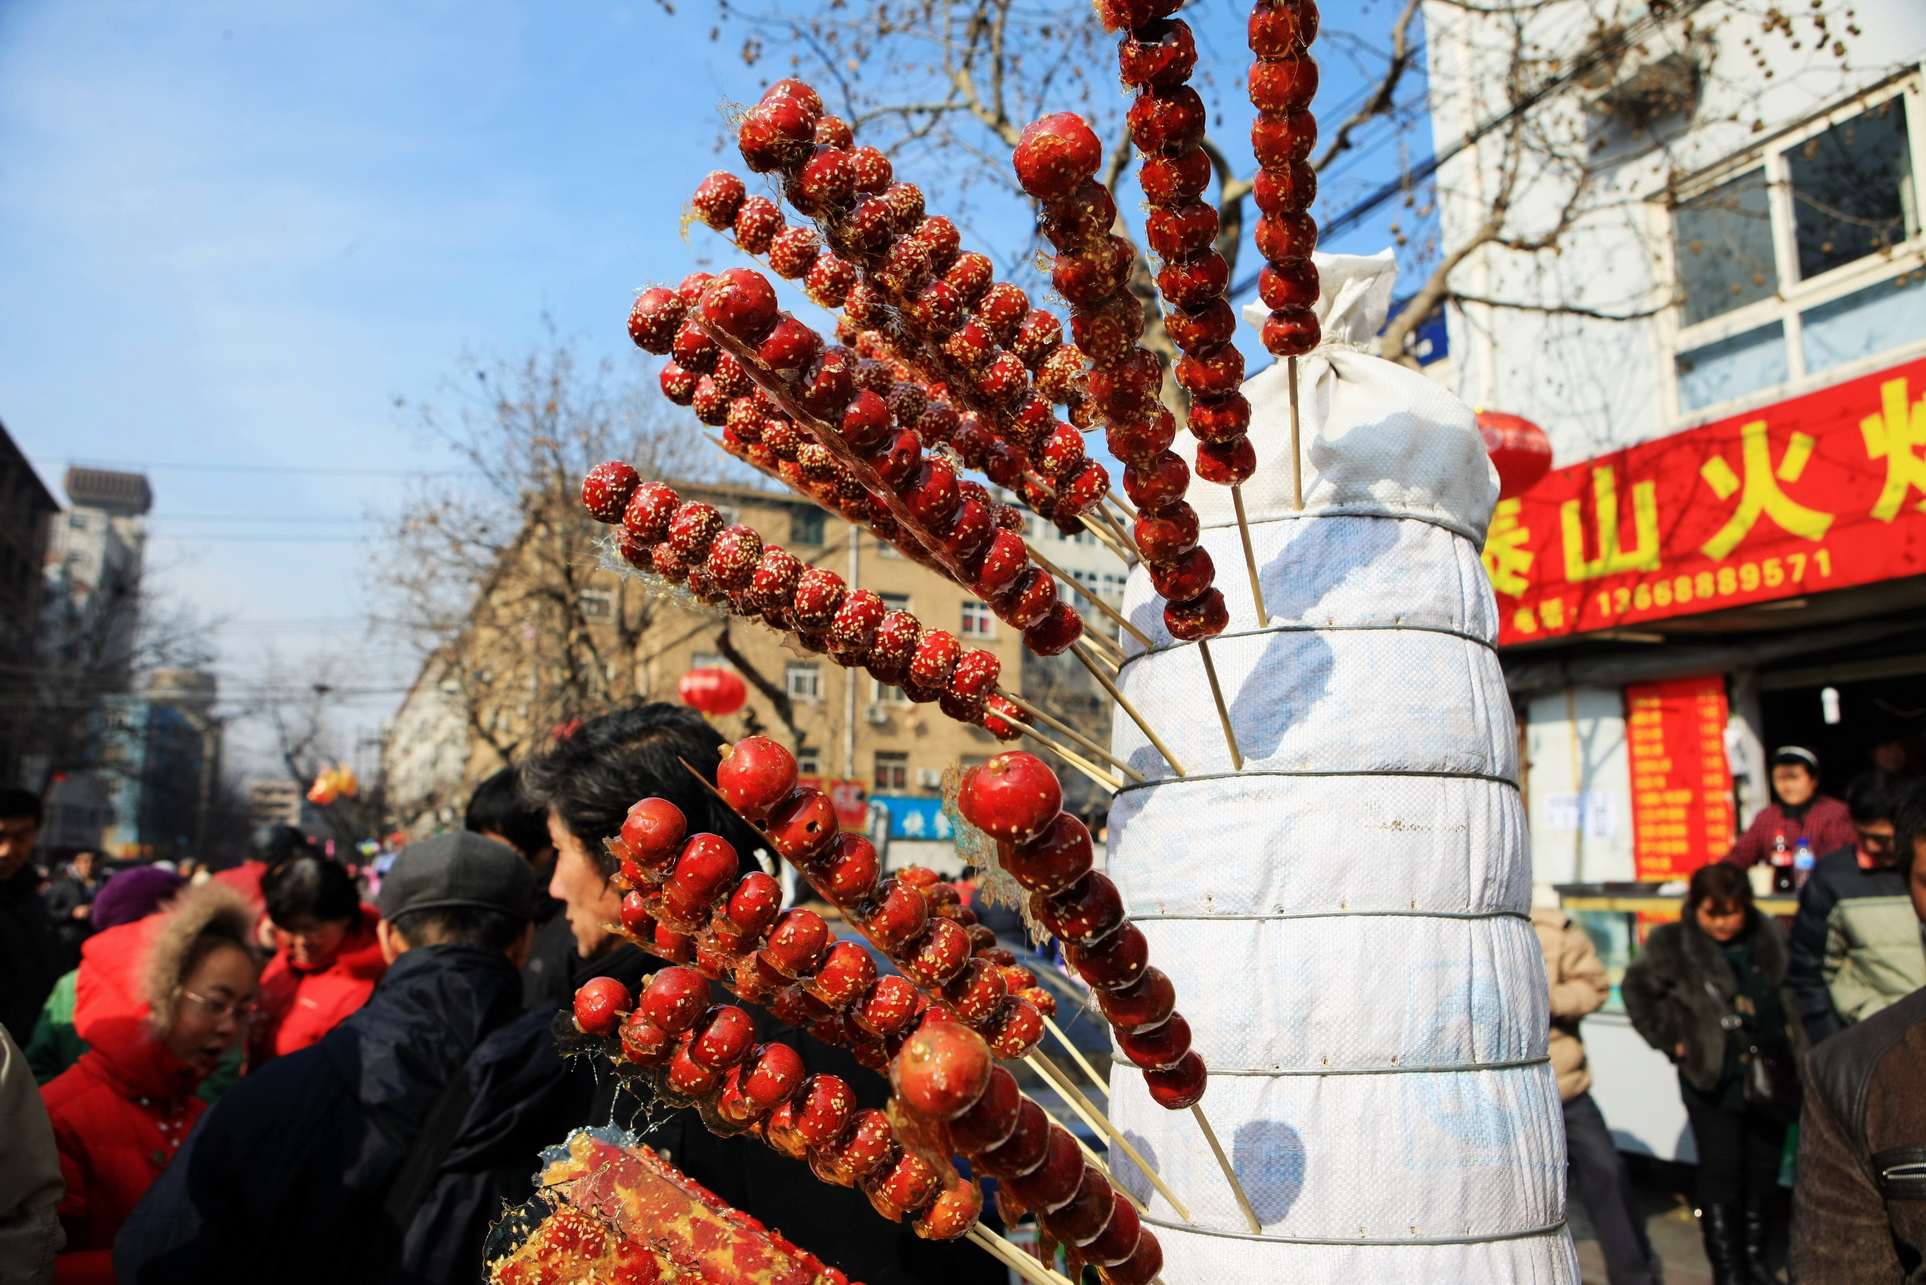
(312, 1168)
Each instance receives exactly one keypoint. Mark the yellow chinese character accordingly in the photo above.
(1553, 611)
(1524, 621)
(1761, 493)
(1613, 556)
(1505, 556)
(1891, 436)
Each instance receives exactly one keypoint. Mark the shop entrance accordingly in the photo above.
(1878, 715)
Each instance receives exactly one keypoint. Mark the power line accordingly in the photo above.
(300, 469)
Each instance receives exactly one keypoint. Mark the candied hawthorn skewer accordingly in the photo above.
(1283, 80)
(1155, 57)
(902, 260)
(1016, 799)
(1056, 162)
(782, 356)
(945, 1078)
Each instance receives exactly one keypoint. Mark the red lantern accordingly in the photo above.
(713, 691)
(1519, 449)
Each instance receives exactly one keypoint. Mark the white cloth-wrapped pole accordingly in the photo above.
(1346, 920)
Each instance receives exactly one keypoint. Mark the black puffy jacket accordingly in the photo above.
(526, 1096)
(285, 1179)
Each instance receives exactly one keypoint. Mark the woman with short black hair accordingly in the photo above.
(1709, 992)
(327, 958)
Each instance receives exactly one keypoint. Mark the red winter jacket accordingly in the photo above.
(120, 1113)
(297, 1008)
(1826, 825)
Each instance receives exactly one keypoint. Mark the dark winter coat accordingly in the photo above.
(290, 1171)
(1859, 1205)
(1836, 879)
(526, 1096)
(31, 956)
(1667, 997)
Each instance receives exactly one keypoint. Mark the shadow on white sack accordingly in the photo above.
(1378, 439)
(1346, 919)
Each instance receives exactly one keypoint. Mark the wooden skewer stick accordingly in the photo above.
(1223, 1162)
(1223, 711)
(1123, 703)
(1076, 1054)
(1095, 600)
(1074, 735)
(1297, 454)
(1089, 769)
(1028, 1266)
(1250, 558)
(1121, 505)
(1105, 647)
(1124, 537)
(1109, 541)
(1063, 1084)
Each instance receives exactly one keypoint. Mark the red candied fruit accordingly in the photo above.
(740, 302)
(717, 198)
(675, 999)
(600, 1004)
(755, 775)
(1013, 796)
(606, 489)
(1204, 616)
(942, 1071)
(1145, 1003)
(653, 831)
(1056, 155)
(655, 318)
(1180, 1086)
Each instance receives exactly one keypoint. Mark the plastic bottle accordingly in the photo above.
(1802, 860)
(1782, 878)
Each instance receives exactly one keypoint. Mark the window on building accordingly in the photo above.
(1852, 190)
(979, 621)
(1804, 260)
(803, 680)
(892, 771)
(809, 762)
(1723, 240)
(895, 601)
(806, 525)
(597, 604)
(709, 660)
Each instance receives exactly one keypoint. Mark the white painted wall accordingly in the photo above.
(1579, 787)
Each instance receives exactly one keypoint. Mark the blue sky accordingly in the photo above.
(232, 235)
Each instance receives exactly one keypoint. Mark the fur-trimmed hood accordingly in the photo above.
(130, 984)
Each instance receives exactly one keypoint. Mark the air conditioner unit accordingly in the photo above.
(877, 716)
(929, 778)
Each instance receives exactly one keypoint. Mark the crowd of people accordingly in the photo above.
(349, 1075)
(1817, 1026)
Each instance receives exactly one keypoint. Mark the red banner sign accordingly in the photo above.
(1818, 492)
(1681, 783)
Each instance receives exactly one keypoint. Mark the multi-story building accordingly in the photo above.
(879, 750)
(27, 508)
(1728, 353)
(273, 801)
(89, 623)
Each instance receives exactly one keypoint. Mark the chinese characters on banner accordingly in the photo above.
(1814, 493)
(1681, 782)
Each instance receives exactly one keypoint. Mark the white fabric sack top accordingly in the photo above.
(1378, 438)
(1346, 919)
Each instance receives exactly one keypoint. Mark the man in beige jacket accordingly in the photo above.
(1575, 976)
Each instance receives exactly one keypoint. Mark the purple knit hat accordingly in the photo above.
(133, 894)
